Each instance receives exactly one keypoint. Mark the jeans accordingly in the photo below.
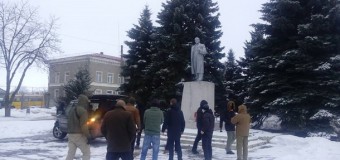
(197, 139)
(117, 155)
(155, 141)
(230, 140)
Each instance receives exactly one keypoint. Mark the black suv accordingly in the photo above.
(99, 105)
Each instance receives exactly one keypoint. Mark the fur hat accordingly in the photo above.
(242, 109)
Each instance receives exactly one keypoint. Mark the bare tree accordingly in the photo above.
(24, 41)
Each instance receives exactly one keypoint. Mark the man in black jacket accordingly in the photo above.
(174, 123)
(207, 131)
(199, 118)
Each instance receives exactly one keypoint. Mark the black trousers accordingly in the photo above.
(132, 148)
(139, 134)
(117, 155)
(197, 139)
(206, 145)
(174, 141)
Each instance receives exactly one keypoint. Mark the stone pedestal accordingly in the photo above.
(193, 94)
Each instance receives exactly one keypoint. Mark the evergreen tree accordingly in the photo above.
(138, 59)
(180, 22)
(293, 62)
(233, 80)
(74, 87)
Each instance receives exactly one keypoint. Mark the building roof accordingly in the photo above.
(100, 55)
(2, 91)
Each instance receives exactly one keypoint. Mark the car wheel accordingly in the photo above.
(57, 133)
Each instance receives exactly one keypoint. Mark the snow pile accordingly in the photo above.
(324, 66)
(322, 114)
(29, 113)
(273, 122)
(286, 147)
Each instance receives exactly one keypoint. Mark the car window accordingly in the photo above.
(70, 106)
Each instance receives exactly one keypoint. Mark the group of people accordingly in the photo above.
(121, 125)
(239, 122)
(237, 125)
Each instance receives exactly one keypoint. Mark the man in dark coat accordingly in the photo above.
(229, 127)
(141, 109)
(119, 130)
(207, 131)
(174, 123)
(199, 118)
(130, 106)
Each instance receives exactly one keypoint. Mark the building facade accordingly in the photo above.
(104, 71)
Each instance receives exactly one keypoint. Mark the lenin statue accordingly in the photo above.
(198, 51)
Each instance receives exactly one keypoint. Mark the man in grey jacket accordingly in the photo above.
(78, 132)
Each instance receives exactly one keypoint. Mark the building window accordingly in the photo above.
(99, 76)
(109, 92)
(98, 91)
(120, 79)
(67, 77)
(110, 78)
(56, 93)
(57, 77)
(118, 92)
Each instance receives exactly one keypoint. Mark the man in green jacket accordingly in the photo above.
(78, 132)
(153, 118)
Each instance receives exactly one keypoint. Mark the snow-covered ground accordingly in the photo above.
(29, 136)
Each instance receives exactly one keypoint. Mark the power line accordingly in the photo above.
(89, 40)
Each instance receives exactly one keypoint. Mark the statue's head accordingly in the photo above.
(197, 40)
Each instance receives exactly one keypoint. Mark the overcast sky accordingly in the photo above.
(92, 26)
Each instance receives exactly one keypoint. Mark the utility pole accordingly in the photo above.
(121, 56)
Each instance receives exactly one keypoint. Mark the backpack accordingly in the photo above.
(68, 109)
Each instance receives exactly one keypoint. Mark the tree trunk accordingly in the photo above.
(8, 104)
(7, 110)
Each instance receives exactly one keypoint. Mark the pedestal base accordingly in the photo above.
(193, 94)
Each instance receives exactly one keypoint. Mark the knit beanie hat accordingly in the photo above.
(155, 103)
(203, 102)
